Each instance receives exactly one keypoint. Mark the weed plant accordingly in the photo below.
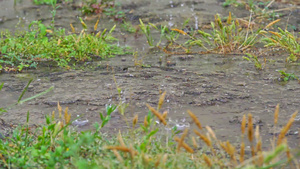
(26, 49)
(287, 76)
(253, 58)
(284, 40)
(57, 145)
(232, 36)
(225, 37)
(49, 2)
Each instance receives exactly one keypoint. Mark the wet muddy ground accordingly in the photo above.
(219, 89)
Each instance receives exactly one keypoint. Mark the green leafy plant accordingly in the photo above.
(146, 30)
(109, 110)
(287, 76)
(284, 40)
(254, 59)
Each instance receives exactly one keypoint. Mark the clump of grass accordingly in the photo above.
(253, 58)
(284, 40)
(26, 49)
(228, 36)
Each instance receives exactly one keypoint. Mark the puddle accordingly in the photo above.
(216, 88)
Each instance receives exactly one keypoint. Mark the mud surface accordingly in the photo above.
(218, 89)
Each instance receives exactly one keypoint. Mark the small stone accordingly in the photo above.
(123, 59)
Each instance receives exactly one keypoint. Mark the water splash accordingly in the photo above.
(80, 123)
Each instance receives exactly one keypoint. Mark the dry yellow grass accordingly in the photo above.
(72, 28)
(207, 160)
(272, 23)
(120, 148)
(59, 110)
(276, 34)
(286, 128)
(134, 121)
(229, 18)
(67, 116)
(53, 115)
(161, 100)
(243, 125)
(231, 151)
(157, 114)
(195, 119)
(194, 142)
(276, 113)
(184, 145)
(211, 132)
(157, 160)
(250, 128)
(164, 115)
(181, 140)
(120, 139)
(96, 25)
(119, 157)
(145, 121)
(179, 31)
(242, 152)
(204, 138)
(257, 135)
(123, 149)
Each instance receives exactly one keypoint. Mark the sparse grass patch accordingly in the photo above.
(49, 2)
(225, 37)
(57, 145)
(230, 36)
(260, 9)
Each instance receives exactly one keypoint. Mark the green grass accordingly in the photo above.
(285, 40)
(26, 49)
(287, 76)
(48, 2)
(253, 58)
(56, 144)
(224, 37)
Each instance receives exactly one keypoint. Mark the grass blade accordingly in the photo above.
(1, 86)
(35, 96)
(25, 89)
